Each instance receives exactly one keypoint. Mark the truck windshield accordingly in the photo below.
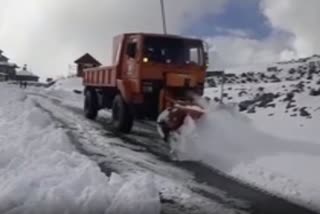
(173, 51)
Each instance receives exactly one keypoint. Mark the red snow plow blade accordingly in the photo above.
(171, 119)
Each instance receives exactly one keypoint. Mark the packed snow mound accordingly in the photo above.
(42, 172)
(227, 140)
(68, 91)
(68, 84)
(141, 188)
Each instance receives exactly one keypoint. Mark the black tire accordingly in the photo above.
(90, 105)
(122, 117)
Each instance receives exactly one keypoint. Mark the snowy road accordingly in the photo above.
(185, 187)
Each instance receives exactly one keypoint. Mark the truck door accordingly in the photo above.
(131, 58)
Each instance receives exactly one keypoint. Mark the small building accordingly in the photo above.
(7, 69)
(214, 73)
(272, 69)
(86, 61)
(3, 77)
(25, 75)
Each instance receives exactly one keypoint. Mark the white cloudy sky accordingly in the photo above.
(49, 34)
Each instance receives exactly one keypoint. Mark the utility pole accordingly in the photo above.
(163, 14)
(222, 87)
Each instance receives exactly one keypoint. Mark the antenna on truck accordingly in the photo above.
(163, 14)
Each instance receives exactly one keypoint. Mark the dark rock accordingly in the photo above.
(289, 97)
(300, 87)
(292, 71)
(244, 75)
(211, 83)
(77, 91)
(241, 93)
(293, 115)
(270, 115)
(277, 95)
(216, 99)
(315, 92)
(244, 105)
(271, 105)
(274, 78)
(265, 99)
(251, 110)
(304, 112)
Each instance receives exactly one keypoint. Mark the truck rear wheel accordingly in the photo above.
(90, 105)
(122, 117)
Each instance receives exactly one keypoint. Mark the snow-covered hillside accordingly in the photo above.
(291, 102)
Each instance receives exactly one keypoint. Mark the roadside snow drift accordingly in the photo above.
(41, 172)
(68, 91)
(68, 84)
(227, 140)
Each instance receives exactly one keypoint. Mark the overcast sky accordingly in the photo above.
(49, 34)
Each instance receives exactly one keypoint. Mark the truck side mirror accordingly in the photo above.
(131, 50)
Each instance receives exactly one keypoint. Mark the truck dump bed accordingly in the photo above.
(105, 76)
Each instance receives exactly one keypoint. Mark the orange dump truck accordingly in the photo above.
(150, 73)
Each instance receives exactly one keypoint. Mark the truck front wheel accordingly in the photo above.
(90, 105)
(122, 116)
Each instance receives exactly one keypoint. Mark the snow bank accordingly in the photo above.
(139, 195)
(41, 172)
(227, 140)
(68, 91)
(293, 176)
(68, 84)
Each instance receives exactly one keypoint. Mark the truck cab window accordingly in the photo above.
(132, 50)
(173, 51)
